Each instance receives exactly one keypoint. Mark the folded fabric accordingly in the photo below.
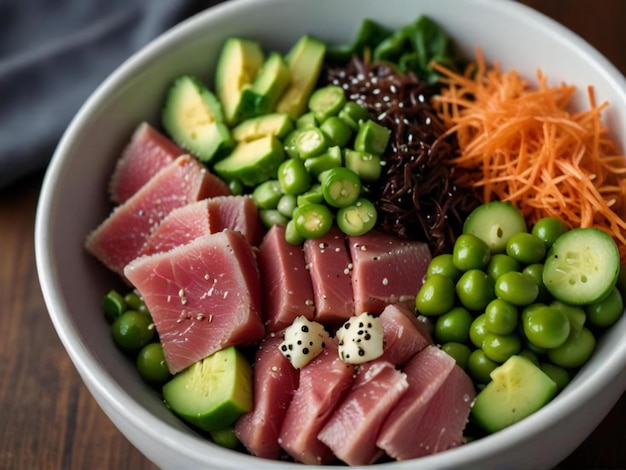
(54, 53)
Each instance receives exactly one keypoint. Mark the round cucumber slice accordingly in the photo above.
(582, 266)
(494, 223)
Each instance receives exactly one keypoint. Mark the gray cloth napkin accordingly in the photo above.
(53, 54)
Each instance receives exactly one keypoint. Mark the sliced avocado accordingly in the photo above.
(213, 392)
(193, 118)
(278, 124)
(518, 388)
(261, 95)
(252, 162)
(237, 66)
(305, 61)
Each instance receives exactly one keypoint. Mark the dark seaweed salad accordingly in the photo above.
(419, 195)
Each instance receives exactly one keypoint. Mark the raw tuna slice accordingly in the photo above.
(237, 213)
(426, 373)
(323, 384)
(287, 290)
(119, 239)
(147, 152)
(211, 215)
(203, 296)
(352, 431)
(445, 417)
(387, 270)
(329, 265)
(403, 334)
(275, 381)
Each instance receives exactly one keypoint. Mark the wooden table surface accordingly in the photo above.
(48, 419)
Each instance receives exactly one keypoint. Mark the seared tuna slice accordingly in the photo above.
(286, 283)
(275, 381)
(238, 213)
(352, 431)
(211, 215)
(119, 239)
(147, 152)
(328, 261)
(387, 270)
(426, 372)
(445, 417)
(203, 296)
(403, 334)
(323, 384)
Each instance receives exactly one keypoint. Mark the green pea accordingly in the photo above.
(151, 364)
(559, 375)
(575, 351)
(132, 330)
(479, 367)
(546, 327)
(516, 288)
(478, 330)
(236, 187)
(575, 314)
(526, 248)
(499, 348)
(436, 296)
(453, 326)
(271, 217)
(548, 230)
(293, 176)
(535, 271)
(475, 289)
(470, 252)
(134, 301)
(607, 311)
(530, 355)
(225, 437)
(113, 305)
(501, 317)
(443, 264)
(500, 264)
(337, 131)
(459, 352)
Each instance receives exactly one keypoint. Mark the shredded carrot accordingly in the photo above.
(524, 144)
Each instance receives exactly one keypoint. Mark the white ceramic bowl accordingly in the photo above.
(73, 202)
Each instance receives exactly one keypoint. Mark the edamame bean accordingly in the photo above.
(470, 252)
(548, 229)
(459, 352)
(516, 288)
(526, 248)
(575, 351)
(607, 311)
(501, 317)
(453, 326)
(546, 327)
(475, 289)
(151, 364)
(436, 296)
(132, 330)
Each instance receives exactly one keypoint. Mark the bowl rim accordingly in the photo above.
(98, 379)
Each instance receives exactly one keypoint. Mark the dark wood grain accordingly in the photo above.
(48, 419)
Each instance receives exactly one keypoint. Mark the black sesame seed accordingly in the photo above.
(305, 328)
(361, 352)
(299, 342)
(368, 337)
(323, 344)
(283, 347)
(361, 324)
(346, 325)
(291, 347)
(360, 332)
(305, 351)
(310, 343)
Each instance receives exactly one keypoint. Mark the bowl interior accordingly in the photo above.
(74, 196)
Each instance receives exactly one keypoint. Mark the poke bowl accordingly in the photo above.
(197, 94)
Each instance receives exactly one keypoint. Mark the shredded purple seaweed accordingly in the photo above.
(418, 195)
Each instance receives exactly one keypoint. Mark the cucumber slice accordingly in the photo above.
(518, 388)
(494, 223)
(582, 266)
(213, 392)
